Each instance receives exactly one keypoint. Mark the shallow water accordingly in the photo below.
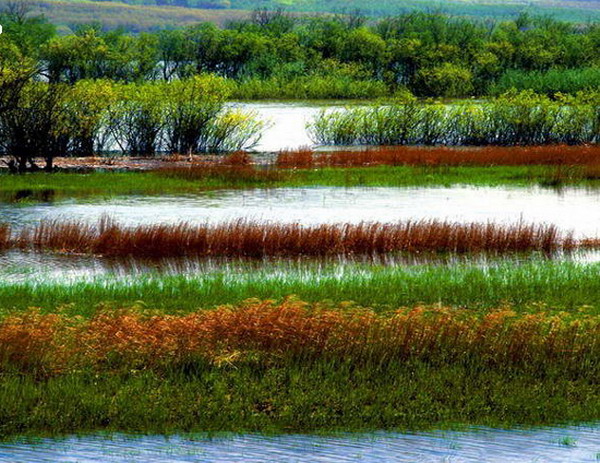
(569, 444)
(41, 268)
(571, 209)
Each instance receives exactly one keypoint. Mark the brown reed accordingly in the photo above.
(4, 236)
(265, 331)
(442, 156)
(234, 168)
(254, 239)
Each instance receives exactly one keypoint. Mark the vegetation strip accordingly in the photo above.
(252, 239)
(295, 367)
(514, 119)
(531, 286)
(559, 155)
(269, 332)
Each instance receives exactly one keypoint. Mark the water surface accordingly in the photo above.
(569, 444)
(575, 209)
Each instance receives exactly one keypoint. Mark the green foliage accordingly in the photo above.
(273, 54)
(191, 108)
(136, 120)
(33, 125)
(447, 80)
(549, 82)
(298, 396)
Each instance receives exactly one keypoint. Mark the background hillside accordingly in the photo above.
(143, 15)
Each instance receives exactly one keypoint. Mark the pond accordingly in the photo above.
(565, 444)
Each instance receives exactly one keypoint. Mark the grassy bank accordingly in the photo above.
(556, 286)
(320, 397)
(291, 367)
(107, 184)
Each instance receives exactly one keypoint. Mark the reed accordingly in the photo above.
(237, 168)
(516, 119)
(559, 155)
(4, 236)
(269, 334)
(254, 239)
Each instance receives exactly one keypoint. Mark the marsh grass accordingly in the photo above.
(59, 186)
(292, 367)
(560, 155)
(255, 239)
(268, 333)
(529, 286)
(521, 119)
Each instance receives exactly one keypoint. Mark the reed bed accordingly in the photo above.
(254, 239)
(268, 333)
(521, 119)
(559, 155)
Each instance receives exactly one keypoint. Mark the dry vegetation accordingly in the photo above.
(269, 332)
(560, 155)
(254, 239)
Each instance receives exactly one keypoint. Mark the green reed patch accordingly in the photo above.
(554, 285)
(513, 119)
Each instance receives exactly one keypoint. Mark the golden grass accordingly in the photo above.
(268, 331)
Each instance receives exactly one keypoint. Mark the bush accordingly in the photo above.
(447, 80)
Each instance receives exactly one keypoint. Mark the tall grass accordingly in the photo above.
(252, 239)
(513, 120)
(548, 82)
(442, 156)
(267, 333)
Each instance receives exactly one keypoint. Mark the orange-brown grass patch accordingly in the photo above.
(446, 156)
(269, 332)
(237, 167)
(4, 236)
(253, 239)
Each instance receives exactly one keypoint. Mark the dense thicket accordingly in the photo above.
(276, 55)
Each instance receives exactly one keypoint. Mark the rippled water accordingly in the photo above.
(568, 444)
(574, 209)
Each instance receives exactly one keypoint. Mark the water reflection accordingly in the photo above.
(566, 444)
(32, 267)
(286, 122)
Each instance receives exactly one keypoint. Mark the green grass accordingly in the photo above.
(294, 397)
(530, 286)
(106, 184)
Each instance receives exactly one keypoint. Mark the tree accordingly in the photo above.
(34, 126)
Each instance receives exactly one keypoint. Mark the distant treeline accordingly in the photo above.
(275, 55)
